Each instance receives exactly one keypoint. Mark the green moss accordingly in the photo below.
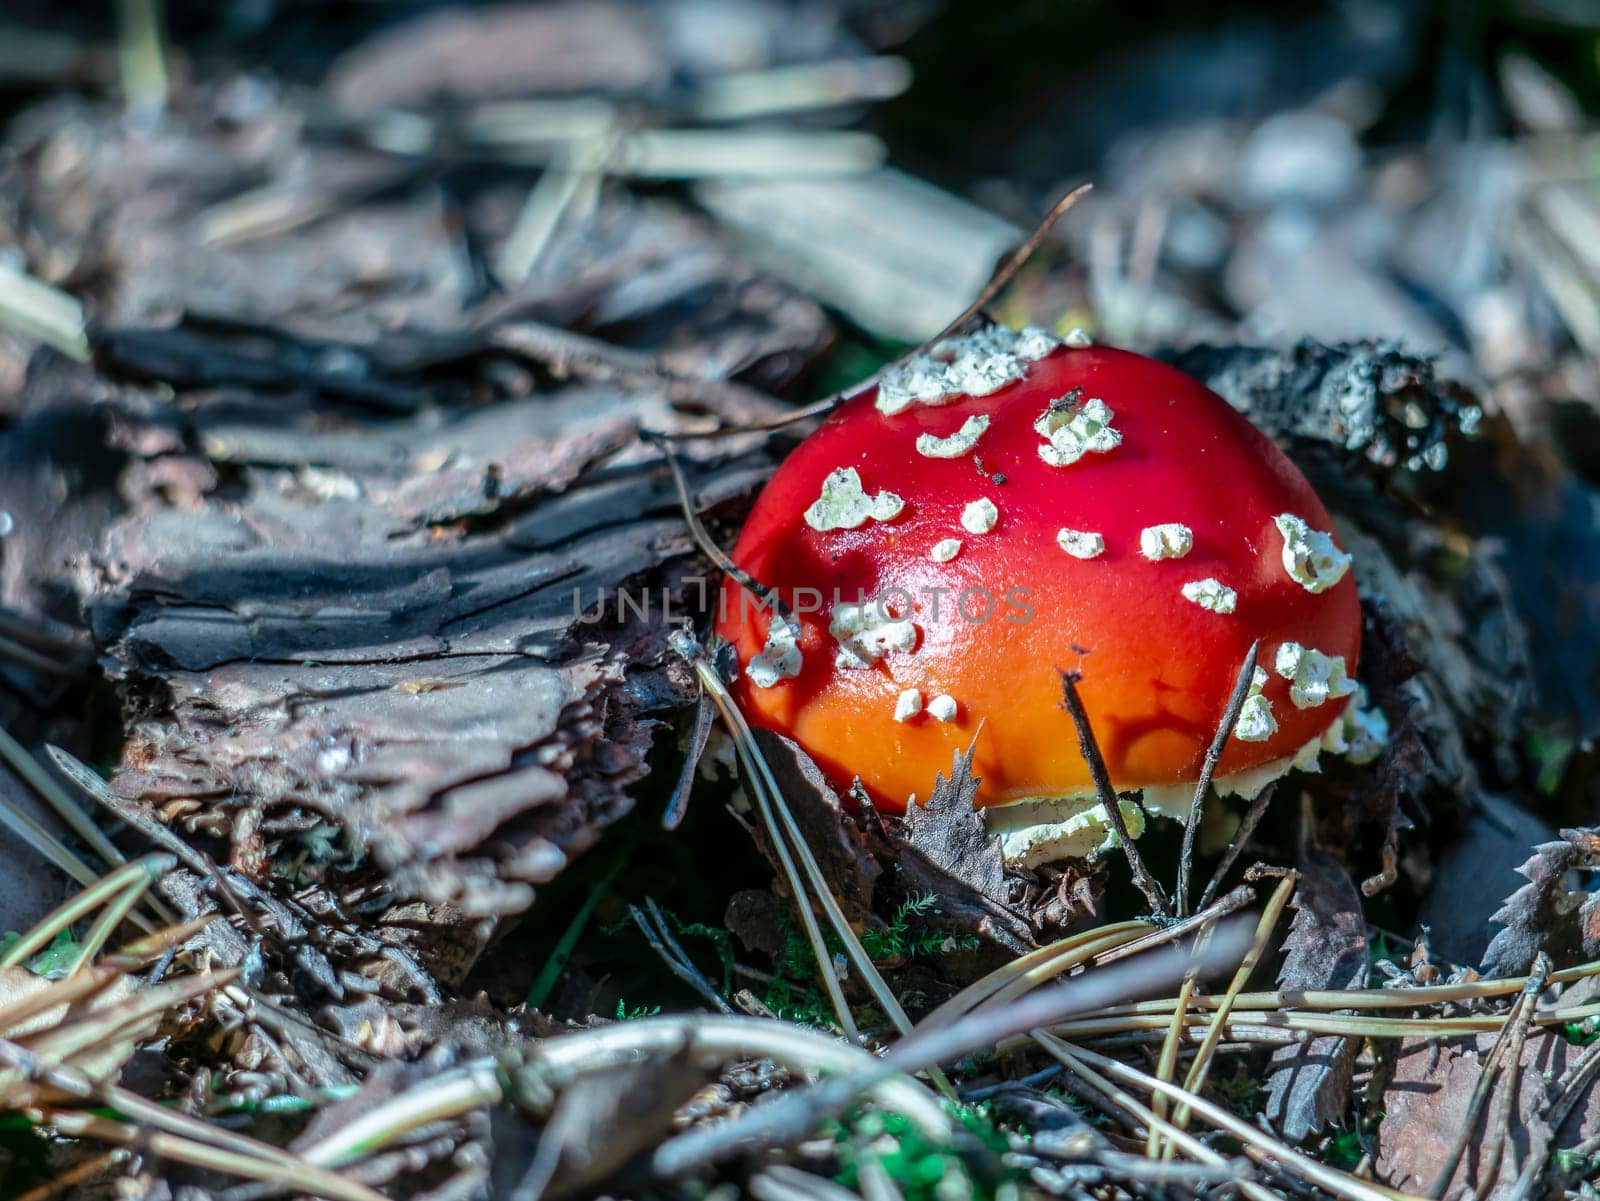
(625, 1014)
(795, 991)
(972, 1165)
(54, 962)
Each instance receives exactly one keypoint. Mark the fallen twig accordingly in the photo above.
(790, 1117)
(1219, 743)
(659, 935)
(1002, 276)
(1241, 836)
(1108, 795)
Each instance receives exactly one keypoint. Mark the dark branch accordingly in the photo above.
(659, 935)
(1230, 715)
(702, 539)
(1108, 795)
(1003, 275)
(1241, 836)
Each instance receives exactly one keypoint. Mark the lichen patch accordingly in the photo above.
(866, 632)
(1314, 678)
(1050, 829)
(1256, 723)
(1081, 544)
(1360, 733)
(984, 374)
(1034, 343)
(1172, 540)
(1211, 594)
(975, 364)
(919, 380)
(780, 658)
(945, 549)
(845, 505)
(1310, 556)
(953, 446)
(980, 516)
(908, 704)
(1073, 428)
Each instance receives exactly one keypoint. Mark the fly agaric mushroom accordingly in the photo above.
(1006, 506)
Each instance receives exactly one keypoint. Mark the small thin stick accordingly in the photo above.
(1003, 275)
(702, 539)
(800, 865)
(705, 718)
(47, 845)
(578, 355)
(1241, 836)
(1090, 950)
(1229, 903)
(1069, 1058)
(1498, 1131)
(1576, 1080)
(74, 1176)
(1230, 715)
(1574, 1084)
(1167, 1065)
(101, 1027)
(791, 872)
(30, 658)
(449, 1095)
(1029, 971)
(792, 1117)
(1108, 795)
(659, 936)
(95, 788)
(140, 1109)
(303, 1176)
(26, 632)
(1014, 262)
(802, 1049)
(117, 911)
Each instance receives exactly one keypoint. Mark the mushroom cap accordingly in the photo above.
(1157, 667)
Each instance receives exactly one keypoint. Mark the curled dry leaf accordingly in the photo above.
(1546, 914)
(604, 1120)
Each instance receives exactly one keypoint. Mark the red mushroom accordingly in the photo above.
(1008, 506)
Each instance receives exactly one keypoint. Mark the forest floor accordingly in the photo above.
(365, 847)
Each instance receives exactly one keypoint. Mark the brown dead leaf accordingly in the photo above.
(952, 835)
(604, 1120)
(1427, 1102)
(947, 852)
(1309, 1082)
(834, 838)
